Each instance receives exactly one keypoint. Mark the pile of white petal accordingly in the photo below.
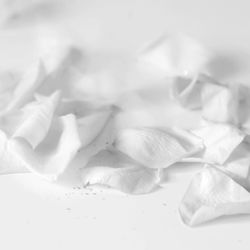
(47, 127)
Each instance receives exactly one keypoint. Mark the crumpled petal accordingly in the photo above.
(37, 121)
(220, 140)
(52, 164)
(213, 194)
(176, 56)
(125, 175)
(25, 89)
(157, 148)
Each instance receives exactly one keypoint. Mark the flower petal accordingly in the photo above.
(238, 165)
(188, 92)
(220, 141)
(219, 104)
(26, 88)
(176, 56)
(37, 120)
(91, 125)
(157, 148)
(126, 176)
(54, 163)
(9, 162)
(213, 194)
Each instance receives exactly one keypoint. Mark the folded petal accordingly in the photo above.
(37, 120)
(238, 165)
(220, 140)
(213, 194)
(187, 92)
(51, 164)
(157, 148)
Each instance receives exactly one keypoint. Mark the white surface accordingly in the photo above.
(36, 215)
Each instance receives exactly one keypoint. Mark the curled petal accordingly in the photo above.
(213, 194)
(156, 148)
(220, 140)
(51, 164)
(37, 121)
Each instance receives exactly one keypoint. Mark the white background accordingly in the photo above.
(36, 215)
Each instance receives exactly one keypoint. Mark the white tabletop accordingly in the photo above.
(38, 215)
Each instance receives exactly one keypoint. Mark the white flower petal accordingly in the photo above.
(238, 165)
(54, 163)
(188, 91)
(125, 175)
(37, 120)
(133, 180)
(213, 194)
(157, 148)
(176, 56)
(220, 141)
(9, 162)
(91, 125)
(219, 104)
(25, 89)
